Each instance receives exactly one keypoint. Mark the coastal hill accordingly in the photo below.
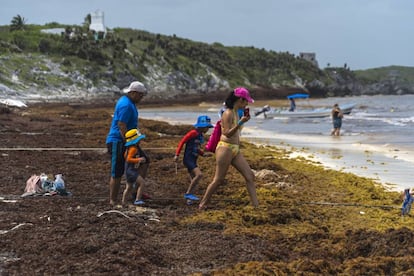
(78, 64)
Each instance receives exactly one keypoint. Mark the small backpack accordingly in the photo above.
(214, 138)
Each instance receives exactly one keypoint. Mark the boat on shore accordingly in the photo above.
(313, 113)
(269, 112)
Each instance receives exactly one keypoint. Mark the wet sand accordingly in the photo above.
(366, 156)
(386, 164)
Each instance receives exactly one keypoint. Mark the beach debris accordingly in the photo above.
(280, 185)
(272, 178)
(41, 185)
(266, 174)
(7, 258)
(149, 213)
(113, 211)
(12, 103)
(145, 213)
(46, 217)
(2, 199)
(2, 232)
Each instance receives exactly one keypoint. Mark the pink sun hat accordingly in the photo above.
(243, 93)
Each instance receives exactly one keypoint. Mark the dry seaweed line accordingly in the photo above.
(351, 204)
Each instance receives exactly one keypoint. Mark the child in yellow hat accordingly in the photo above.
(132, 162)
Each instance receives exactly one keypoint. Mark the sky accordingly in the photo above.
(363, 34)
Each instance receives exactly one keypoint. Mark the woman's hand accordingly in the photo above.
(244, 119)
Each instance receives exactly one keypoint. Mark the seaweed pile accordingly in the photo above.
(311, 220)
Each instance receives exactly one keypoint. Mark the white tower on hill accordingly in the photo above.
(97, 22)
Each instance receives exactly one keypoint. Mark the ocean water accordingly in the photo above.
(377, 138)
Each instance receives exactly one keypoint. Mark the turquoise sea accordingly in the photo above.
(376, 141)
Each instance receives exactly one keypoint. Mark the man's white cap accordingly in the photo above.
(136, 86)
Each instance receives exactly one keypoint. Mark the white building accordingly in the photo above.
(55, 31)
(97, 22)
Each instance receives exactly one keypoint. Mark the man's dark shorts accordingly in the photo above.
(116, 152)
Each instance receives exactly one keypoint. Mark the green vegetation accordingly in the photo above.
(128, 52)
(404, 74)
(18, 23)
(125, 54)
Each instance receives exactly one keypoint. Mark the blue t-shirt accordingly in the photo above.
(126, 112)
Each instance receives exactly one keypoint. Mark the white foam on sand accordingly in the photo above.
(387, 164)
(366, 156)
(13, 103)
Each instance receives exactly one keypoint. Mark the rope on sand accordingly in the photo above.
(69, 149)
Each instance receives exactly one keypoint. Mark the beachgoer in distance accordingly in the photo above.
(125, 118)
(132, 162)
(407, 202)
(292, 105)
(337, 116)
(228, 149)
(193, 141)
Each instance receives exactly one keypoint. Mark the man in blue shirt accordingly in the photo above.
(125, 118)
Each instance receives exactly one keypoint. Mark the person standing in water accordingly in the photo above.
(337, 116)
(292, 105)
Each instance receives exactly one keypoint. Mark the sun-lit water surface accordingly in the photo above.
(376, 142)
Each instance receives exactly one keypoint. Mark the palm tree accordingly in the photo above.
(18, 23)
(87, 21)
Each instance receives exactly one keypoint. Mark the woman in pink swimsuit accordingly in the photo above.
(228, 149)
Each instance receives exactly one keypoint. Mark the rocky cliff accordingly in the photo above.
(55, 68)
